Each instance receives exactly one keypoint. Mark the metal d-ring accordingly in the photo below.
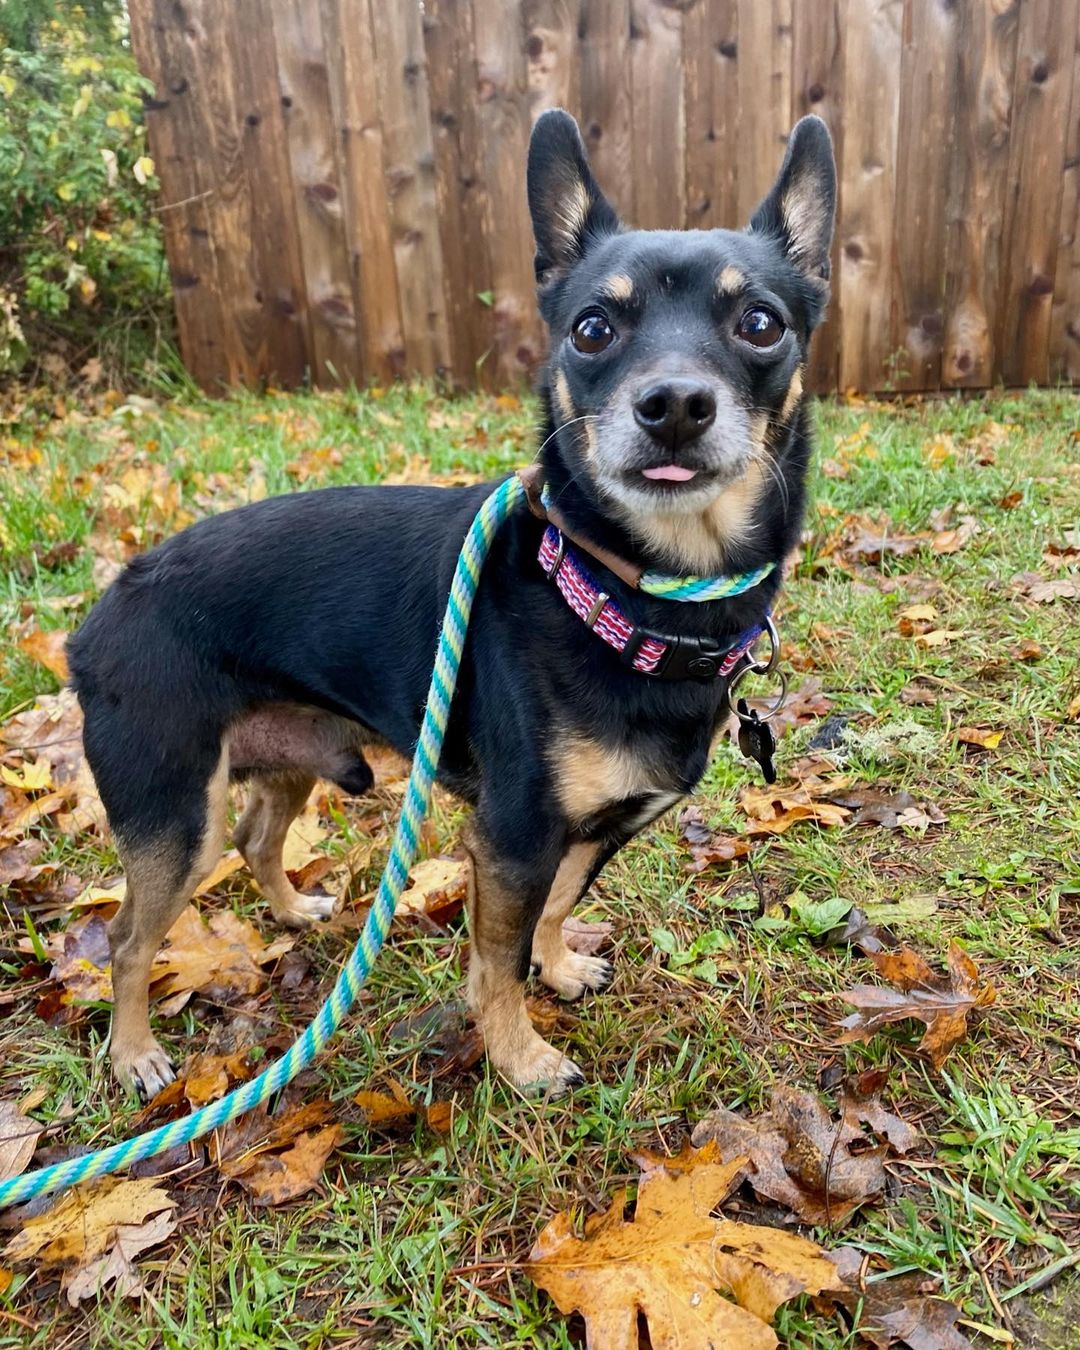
(761, 668)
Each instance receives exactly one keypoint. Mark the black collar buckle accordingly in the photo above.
(686, 658)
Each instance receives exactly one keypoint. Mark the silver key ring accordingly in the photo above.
(761, 668)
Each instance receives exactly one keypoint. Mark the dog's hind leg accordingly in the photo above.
(274, 802)
(162, 872)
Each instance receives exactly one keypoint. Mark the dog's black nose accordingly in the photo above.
(675, 412)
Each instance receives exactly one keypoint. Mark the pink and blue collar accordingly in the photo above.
(660, 655)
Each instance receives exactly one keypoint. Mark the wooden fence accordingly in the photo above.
(343, 180)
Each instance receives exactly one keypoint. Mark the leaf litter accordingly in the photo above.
(942, 1001)
(698, 1280)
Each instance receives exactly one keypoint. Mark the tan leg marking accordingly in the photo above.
(158, 888)
(496, 994)
(260, 833)
(568, 973)
(730, 281)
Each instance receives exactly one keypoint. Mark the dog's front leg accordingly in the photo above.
(506, 898)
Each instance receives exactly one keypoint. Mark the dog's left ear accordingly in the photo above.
(567, 207)
(799, 209)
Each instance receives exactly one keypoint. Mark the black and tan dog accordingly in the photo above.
(273, 642)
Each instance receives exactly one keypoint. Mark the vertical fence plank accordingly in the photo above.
(1065, 328)
(710, 57)
(657, 110)
(459, 188)
(503, 112)
(605, 97)
(867, 191)
(410, 184)
(928, 112)
(764, 95)
(350, 52)
(1044, 58)
(817, 86)
(986, 59)
(172, 121)
(263, 298)
(551, 38)
(309, 123)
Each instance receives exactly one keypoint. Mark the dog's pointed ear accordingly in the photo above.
(801, 205)
(567, 207)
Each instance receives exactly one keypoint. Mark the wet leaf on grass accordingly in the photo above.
(47, 648)
(890, 810)
(820, 1169)
(223, 955)
(697, 1280)
(1043, 591)
(942, 1002)
(587, 938)
(774, 809)
(95, 1232)
(982, 738)
(706, 846)
(18, 1139)
(437, 888)
(277, 1158)
(896, 1310)
(391, 1110)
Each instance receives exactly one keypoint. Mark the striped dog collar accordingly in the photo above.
(658, 654)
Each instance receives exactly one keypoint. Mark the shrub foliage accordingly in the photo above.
(82, 274)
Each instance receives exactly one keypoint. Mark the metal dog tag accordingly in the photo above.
(756, 739)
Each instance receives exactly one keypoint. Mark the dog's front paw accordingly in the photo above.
(305, 911)
(541, 1068)
(142, 1070)
(573, 974)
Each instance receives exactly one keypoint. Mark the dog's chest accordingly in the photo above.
(590, 778)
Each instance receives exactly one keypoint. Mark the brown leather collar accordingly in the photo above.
(532, 479)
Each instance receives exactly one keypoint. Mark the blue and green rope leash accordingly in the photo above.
(495, 509)
(330, 1016)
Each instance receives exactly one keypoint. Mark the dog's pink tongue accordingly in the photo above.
(671, 473)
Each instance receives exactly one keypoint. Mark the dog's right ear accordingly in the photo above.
(567, 207)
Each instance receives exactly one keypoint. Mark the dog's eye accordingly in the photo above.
(591, 334)
(760, 327)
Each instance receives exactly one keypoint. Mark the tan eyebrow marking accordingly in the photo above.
(730, 281)
(618, 287)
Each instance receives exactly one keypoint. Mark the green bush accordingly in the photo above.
(82, 271)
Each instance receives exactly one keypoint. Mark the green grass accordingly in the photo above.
(413, 1239)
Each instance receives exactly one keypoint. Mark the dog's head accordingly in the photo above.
(675, 373)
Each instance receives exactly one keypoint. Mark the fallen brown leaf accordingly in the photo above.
(278, 1158)
(772, 810)
(94, 1232)
(942, 1002)
(707, 847)
(939, 637)
(46, 647)
(984, 738)
(697, 1280)
(223, 955)
(879, 806)
(436, 886)
(896, 1310)
(18, 1139)
(1042, 591)
(820, 1169)
(586, 938)
(860, 1101)
(1028, 650)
